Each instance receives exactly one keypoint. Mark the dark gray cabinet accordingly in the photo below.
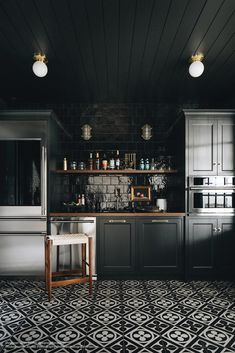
(225, 257)
(210, 244)
(210, 143)
(202, 146)
(226, 140)
(116, 246)
(200, 245)
(141, 246)
(160, 243)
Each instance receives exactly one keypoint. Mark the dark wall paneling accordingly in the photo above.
(114, 126)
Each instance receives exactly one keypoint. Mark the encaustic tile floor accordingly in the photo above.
(120, 316)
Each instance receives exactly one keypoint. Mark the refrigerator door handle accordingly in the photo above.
(23, 233)
(44, 180)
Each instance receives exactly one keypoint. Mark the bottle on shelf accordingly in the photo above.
(83, 200)
(152, 165)
(141, 164)
(111, 162)
(104, 162)
(65, 166)
(79, 200)
(117, 161)
(147, 165)
(90, 162)
(97, 161)
(73, 165)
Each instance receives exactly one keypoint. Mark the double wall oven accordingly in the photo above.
(211, 195)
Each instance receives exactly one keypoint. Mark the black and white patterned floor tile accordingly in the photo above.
(120, 316)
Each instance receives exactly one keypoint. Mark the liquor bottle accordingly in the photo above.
(117, 161)
(79, 200)
(97, 161)
(83, 200)
(65, 164)
(90, 162)
(104, 162)
(152, 165)
(111, 162)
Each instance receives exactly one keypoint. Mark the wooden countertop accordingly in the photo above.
(117, 214)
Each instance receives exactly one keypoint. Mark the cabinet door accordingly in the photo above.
(226, 139)
(201, 245)
(225, 254)
(160, 244)
(116, 246)
(202, 146)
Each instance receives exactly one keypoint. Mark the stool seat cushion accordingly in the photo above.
(67, 239)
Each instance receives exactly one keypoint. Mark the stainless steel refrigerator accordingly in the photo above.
(25, 138)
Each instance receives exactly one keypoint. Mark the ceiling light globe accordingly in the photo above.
(196, 68)
(40, 68)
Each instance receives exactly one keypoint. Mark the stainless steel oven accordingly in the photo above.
(211, 195)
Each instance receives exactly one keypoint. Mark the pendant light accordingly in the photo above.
(86, 132)
(146, 132)
(39, 67)
(196, 67)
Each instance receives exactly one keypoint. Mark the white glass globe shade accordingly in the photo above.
(40, 69)
(196, 69)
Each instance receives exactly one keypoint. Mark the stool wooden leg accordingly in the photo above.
(70, 260)
(49, 270)
(45, 257)
(90, 264)
(83, 260)
(57, 259)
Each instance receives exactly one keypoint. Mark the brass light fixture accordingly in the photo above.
(86, 132)
(196, 67)
(146, 132)
(39, 67)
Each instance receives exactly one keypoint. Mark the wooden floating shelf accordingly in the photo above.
(122, 171)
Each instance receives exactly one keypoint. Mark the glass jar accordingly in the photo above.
(73, 165)
(81, 165)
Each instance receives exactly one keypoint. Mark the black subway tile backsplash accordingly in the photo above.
(114, 126)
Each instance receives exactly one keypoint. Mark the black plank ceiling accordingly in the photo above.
(117, 50)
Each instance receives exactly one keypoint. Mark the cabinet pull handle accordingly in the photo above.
(214, 163)
(215, 230)
(117, 221)
(160, 220)
(219, 229)
(218, 163)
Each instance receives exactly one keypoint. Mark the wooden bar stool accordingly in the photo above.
(67, 239)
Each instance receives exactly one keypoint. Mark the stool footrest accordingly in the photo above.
(69, 281)
(67, 272)
(79, 274)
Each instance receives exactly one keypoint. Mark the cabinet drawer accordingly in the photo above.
(23, 226)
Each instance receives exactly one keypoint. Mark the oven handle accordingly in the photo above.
(216, 188)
